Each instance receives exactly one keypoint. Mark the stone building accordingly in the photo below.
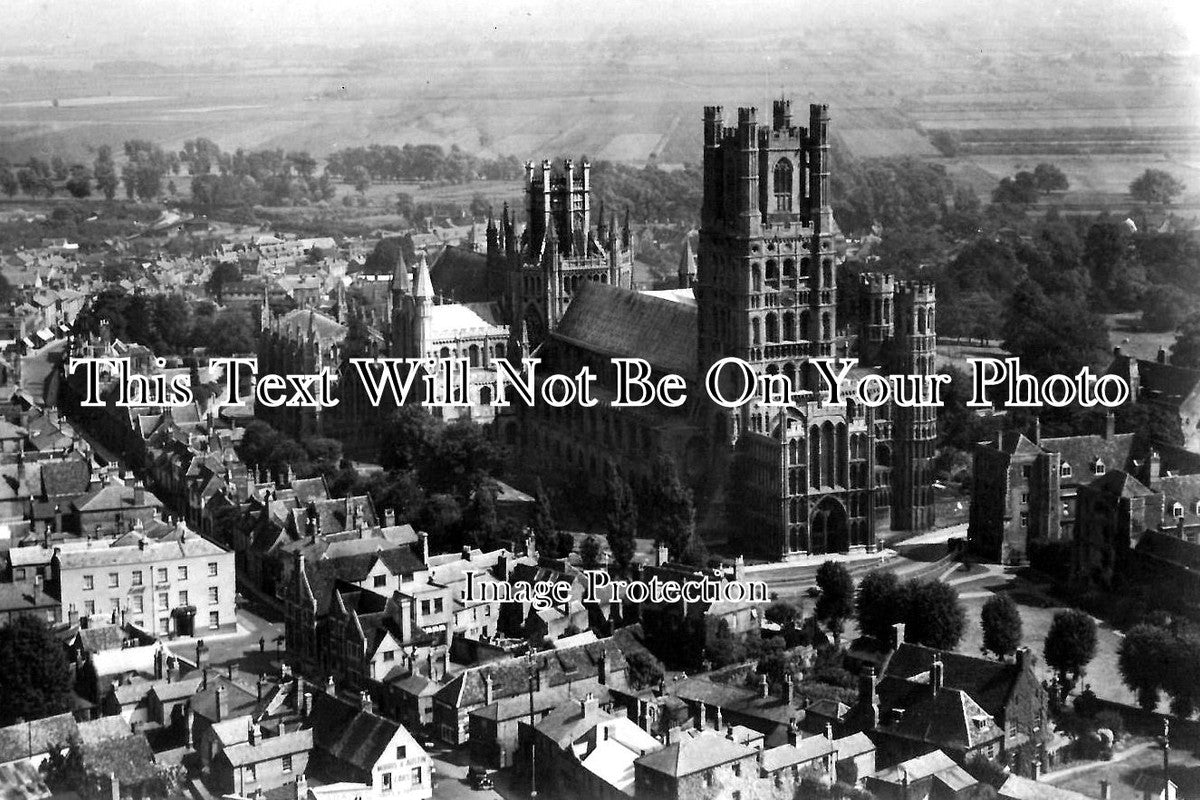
(806, 478)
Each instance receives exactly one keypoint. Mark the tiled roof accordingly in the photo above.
(948, 718)
(39, 736)
(270, 747)
(1170, 548)
(70, 476)
(936, 763)
(989, 683)
(24, 597)
(622, 323)
(460, 274)
(1017, 788)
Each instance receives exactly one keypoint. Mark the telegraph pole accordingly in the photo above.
(532, 673)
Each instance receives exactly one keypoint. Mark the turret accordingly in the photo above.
(749, 220)
(820, 211)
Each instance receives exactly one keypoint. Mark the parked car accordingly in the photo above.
(479, 778)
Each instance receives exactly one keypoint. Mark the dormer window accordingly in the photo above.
(1196, 508)
(1177, 511)
(1065, 470)
(1097, 467)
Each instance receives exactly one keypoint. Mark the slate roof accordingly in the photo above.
(693, 753)
(104, 729)
(932, 764)
(803, 751)
(270, 747)
(347, 733)
(24, 597)
(1082, 451)
(620, 323)
(1017, 788)
(324, 573)
(102, 554)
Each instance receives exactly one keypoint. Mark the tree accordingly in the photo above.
(1141, 657)
(673, 522)
(8, 182)
(79, 184)
(35, 679)
(222, 273)
(1001, 622)
(935, 617)
(1053, 335)
(1156, 186)
(105, 172)
(362, 179)
(836, 603)
(545, 529)
(589, 552)
(782, 612)
(1049, 178)
(1185, 352)
(407, 438)
(1020, 190)
(1070, 645)
(1162, 309)
(620, 517)
(643, 670)
(880, 604)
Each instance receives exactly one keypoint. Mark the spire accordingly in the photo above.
(400, 278)
(424, 287)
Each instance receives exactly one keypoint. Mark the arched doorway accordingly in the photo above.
(829, 528)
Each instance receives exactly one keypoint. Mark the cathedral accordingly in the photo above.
(806, 478)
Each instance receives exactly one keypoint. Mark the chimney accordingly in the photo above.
(189, 723)
(531, 548)
(364, 700)
(423, 539)
(764, 688)
(114, 787)
(139, 494)
(330, 686)
(488, 690)
(1035, 432)
(789, 690)
(829, 731)
(251, 732)
(1162, 355)
(719, 721)
(602, 668)
(897, 635)
(589, 706)
(866, 688)
(466, 552)
(301, 788)
(739, 569)
(306, 704)
(701, 716)
(662, 555)
(389, 517)
(1110, 425)
(406, 620)
(936, 674)
(258, 686)
(1022, 658)
(1155, 475)
(222, 704)
(1104, 790)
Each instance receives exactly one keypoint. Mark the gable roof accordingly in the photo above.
(948, 718)
(989, 683)
(347, 733)
(621, 323)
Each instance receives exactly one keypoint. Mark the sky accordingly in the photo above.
(147, 27)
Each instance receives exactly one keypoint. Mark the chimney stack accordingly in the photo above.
(330, 686)
(935, 674)
(897, 635)
(389, 517)
(1104, 790)
(662, 555)
(306, 704)
(1162, 355)
(364, 700)
(1110, 425)
(222, 704)
(589, 706)
(764, 688)
(789, 690)
(489, 696)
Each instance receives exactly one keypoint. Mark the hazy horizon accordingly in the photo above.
(153, 29)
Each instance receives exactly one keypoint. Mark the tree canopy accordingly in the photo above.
(35, 678)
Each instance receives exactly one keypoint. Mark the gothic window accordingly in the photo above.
(772, 274)
(789, 271)
(789, 371)
(444, 352)
(772, 328)
(803, 332)
(789, 327)
(826, 327)
(499, 351)
(473, 355)
(754, 331)
(783, 185)
(920, 320)
(756, 278)
(827, 268)
(804, 266)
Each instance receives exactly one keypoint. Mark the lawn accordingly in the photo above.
(1127, 777)
(1037, 612)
